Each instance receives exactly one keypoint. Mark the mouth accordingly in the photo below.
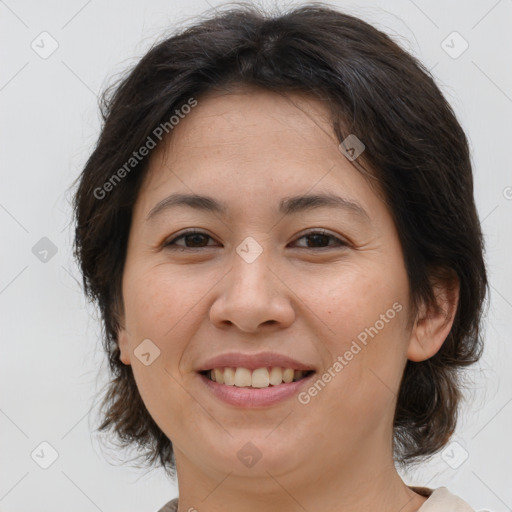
(258, 378)
(259, 388)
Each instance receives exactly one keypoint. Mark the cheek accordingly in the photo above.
(353, 298)
(363, 321)
(162, 302)
(161, 305)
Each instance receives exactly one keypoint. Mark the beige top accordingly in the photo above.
(439, 500)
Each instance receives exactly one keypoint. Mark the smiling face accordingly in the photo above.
(302, 294)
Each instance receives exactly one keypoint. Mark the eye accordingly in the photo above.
(192, 236)
(319, 237)
(197, 239)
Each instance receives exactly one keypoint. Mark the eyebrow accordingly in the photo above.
(288, 205)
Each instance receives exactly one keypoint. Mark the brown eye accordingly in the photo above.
(320, 240)
(198, 239)
(193, 240)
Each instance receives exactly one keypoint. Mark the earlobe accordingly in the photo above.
(433, 324)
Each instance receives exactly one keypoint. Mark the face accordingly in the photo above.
(325, 285)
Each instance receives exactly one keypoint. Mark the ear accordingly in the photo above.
(124, 345)
(433, 324)
(123, 336)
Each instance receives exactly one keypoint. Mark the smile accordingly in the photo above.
(258, 378)
(262, 387)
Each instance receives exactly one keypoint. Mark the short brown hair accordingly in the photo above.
(414, 144)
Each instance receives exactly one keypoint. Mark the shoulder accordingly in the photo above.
(441, 500)
(171, 506)
(438, 501)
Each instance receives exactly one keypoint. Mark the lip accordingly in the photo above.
(254, 397)
(253, 361)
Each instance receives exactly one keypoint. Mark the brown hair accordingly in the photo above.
(414, 144)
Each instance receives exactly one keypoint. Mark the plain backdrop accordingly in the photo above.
(56, 57)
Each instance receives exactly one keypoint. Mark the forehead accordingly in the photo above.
(250, 128)
(251, 149)
(260, 158)
(251, 119)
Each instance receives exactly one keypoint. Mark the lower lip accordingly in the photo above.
(254, 397)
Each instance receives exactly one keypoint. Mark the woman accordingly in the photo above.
(278, 225)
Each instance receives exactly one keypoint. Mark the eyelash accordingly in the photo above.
(171, 244)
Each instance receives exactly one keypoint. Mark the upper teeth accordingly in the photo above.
(259, 378)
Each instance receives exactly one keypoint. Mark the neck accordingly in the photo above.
(321, 484)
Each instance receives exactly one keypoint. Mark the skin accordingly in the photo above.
(302, 297)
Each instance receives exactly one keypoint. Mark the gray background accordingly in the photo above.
(52, 365)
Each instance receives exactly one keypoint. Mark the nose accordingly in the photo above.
(253, 297)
